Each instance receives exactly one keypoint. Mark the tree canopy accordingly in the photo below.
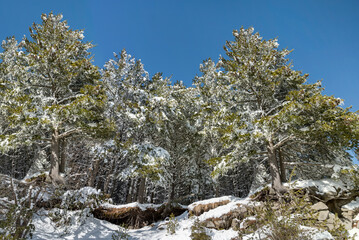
(269, 111)
(142, 137)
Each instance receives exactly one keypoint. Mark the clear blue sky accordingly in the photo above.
(174, 37)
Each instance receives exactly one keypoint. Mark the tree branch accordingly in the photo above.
(70, 132)
(283, 141)
(69, 98)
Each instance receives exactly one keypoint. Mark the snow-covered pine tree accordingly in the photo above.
(155, 128)
(185, 173)
(267, 106)
(130, 93)
(209, 117)
(51, 88)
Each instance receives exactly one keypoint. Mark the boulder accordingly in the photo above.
(348, 223)
(348, 214)
(209, 224)
(323, 215)
(201, 208)
(240, 212)
(221, 224)
(331, 218)
(319, 206)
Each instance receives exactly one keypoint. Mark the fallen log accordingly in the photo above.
(135, 215)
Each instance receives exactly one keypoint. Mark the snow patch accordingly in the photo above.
(212, 200)
(352, 205)
(142, 206)
(323, 185)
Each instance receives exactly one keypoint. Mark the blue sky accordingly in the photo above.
(174, 37)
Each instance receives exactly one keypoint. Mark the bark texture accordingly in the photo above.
(55, 159)
(274, 169)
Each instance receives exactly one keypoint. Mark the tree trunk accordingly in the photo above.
(94, 171)
(133, 190)
(109, 177)
(283, 176)
(129, 191)
(171, 194)
(63, 155)
(274, 170)
(141, 190)
(171, 197)
(152, 196)
(55, 159)
(216, 189)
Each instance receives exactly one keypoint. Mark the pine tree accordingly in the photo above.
(265, 106)
(51, 87)
(131, 96)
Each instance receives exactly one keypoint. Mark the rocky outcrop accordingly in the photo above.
(200, 207)
(331, 204)
(227, 216)
(228, 220)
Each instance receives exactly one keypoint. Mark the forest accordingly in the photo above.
(249, 119)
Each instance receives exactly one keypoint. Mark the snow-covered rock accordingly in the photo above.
(325, 189)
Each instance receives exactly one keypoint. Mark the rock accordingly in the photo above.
(247, 222)
(240, 212)
(226, 220)
(329, 193)
(348, 223)
(347, 213)
(319, 206)
(323, 215)
(236, 224)
(330, 221)
(331, 218)
(330, 226)
(201, 208)
(209, 224)
(220, 224)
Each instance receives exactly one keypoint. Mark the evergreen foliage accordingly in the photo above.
(198, 232)
(143, 138)
(267, 111)
(172, 224)
(50, 88)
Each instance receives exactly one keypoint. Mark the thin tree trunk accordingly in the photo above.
(283, 176)
(141, 190)
(134, 189)
(129, 191)
(171, 194)
(274, 170)
(63, 155)
(55, 159)
(109, 177)
(216, 189)
(152, 195)
(94, 171)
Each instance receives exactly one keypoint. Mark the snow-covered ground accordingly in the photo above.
(81, 227)
(93, 228)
